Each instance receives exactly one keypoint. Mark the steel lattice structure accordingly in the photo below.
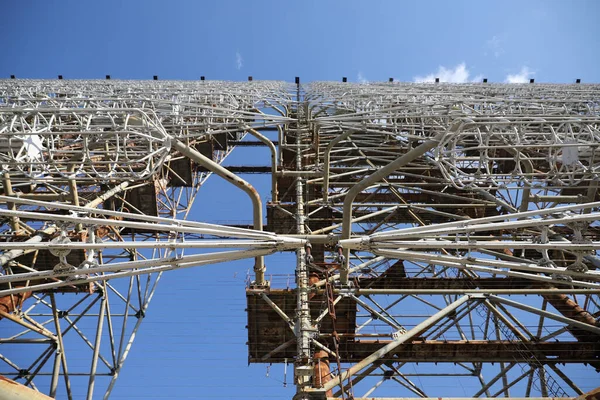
(475, 204)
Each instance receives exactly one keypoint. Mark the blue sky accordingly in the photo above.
(555, 41)
(193, 342)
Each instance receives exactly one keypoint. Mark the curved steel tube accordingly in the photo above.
(375, 177)
(271, 147)
(194, 155)
(327, 160)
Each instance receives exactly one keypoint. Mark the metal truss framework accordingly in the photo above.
(440, 230)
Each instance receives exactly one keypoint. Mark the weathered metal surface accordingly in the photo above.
(107, 145)
(11, 390)
(322, 371)
(570, 309)
(437, 190)
(478, 351)
(591, 395)
(474, 171)
(266, 329)
(10, 303)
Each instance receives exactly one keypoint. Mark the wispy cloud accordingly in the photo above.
(239, 61)
(494, 47)
(458, 74)
(361, 78)
(521, 77)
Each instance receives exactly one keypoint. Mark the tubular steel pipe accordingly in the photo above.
(11, 390)
(327, 160)
(167, 223)
(568, 307)
(60, 346)
(373, 178)
(284, 244)
(14, 221)
(330, 239)
(10, 302)
(12, 254)
(302, 174)
(278, 310)
(196, 156)
(273, 149)
(489, 223)
(107, 195)
(577, 323)
(584, 316)
(129, 268)
(526, 195)
(96, 351)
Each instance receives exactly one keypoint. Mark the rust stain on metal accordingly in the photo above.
(312, 279)
(321, 370)
(570, 308)
(2, 378)
(593, 395)
(8, 304)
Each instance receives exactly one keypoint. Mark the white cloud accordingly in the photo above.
(239, 61)
(458, 74)
(521, 77)
(361, 78)
(494, 46)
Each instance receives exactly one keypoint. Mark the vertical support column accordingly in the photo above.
(273, 149)
(316, 142)
(74, 194)
(303, 371)
(61, 347)
(14, 221)
(55, 371)
(97, 342)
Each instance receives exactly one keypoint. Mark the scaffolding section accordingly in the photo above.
(441, 231)
(98, 182)
(453, 234)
